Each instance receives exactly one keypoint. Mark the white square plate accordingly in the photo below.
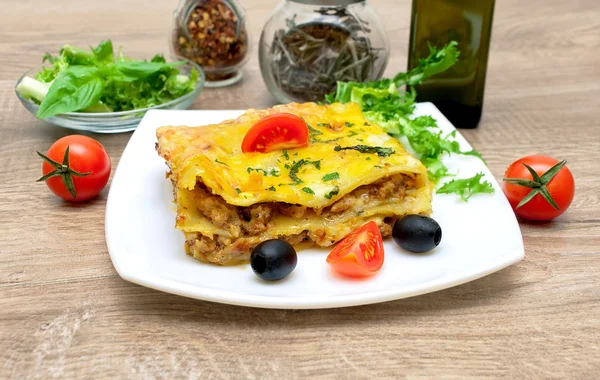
(479, 237)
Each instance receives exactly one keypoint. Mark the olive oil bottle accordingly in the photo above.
(458, 92)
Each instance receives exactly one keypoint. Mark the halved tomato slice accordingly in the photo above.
(276, 132)
(359, 254)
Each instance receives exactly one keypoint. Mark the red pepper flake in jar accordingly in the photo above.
(212, 33)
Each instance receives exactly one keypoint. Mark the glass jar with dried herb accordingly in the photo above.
(308, 45)
(213, 34)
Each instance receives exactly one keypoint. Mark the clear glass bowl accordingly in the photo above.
(115, 122)
(306, 46)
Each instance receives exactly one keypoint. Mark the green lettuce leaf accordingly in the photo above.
(385, 103)
(76, 88)
(467, 187)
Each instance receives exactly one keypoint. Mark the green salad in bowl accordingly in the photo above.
(97, 90)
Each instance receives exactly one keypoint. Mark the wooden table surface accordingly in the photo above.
(65, 313)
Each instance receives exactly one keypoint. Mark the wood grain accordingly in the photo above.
(65, 313)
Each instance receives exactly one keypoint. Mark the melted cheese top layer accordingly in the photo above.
(213, 155)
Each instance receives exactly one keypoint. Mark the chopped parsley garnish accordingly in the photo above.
(285, 154)
(316, 132)
(380, 151)
(238, 190)
(287, 166)
(271, 173)
(220, 162)
(352, 133)
(308, 190)
(313, 132)
(368, 158)
(328, 141)
(272, 188)
(296, 166)
(465, 188)
(349, 125)
(331, 176)
(367, 124)
(324, 125)
(332, 193)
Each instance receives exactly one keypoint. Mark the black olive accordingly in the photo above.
(417, 233)
(273, 259)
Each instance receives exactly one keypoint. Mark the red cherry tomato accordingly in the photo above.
(519, 183)
(82, 175)
(359, 254)
(276, 132)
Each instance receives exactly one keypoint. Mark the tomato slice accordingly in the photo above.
(359, 254)
(276, 132)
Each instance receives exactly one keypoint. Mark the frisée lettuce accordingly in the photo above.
(388, 104)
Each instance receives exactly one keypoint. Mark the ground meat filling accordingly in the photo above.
(245, 222)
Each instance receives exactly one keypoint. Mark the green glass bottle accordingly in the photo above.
(458, 92)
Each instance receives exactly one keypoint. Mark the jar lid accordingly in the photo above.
(328, 2)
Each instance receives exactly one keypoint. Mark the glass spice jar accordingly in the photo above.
(213, 34)
(306, 46)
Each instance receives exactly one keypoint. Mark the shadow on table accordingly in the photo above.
(492, 290)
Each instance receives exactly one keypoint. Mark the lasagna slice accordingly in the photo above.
(228, 202)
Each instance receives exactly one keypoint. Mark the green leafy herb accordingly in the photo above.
(103, 52)
(308, 190)
(220, 162)
(96, 80)
(467, 187)
(313, 133)
(332, 193)
(348, 124)
(385, 102)
(271, 173)
(272, 188)
(437, 62)
(368, 158)
(352, 133)
(331, 176)
(285, 154)
(238, 190)
(380, 151)
(296, 166)
(76, 88)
